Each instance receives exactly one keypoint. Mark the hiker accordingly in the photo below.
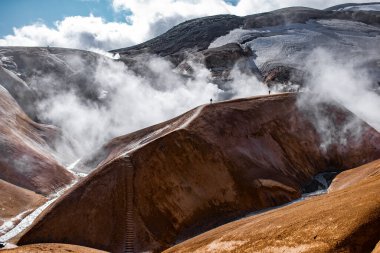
(269, 92)
(210, 101)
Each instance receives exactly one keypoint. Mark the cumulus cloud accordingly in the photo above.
(73, 32)
(148, 19)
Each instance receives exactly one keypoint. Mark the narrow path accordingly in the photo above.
(129, 214)
(162, 131)
(193, 116)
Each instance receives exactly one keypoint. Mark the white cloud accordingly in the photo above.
(149, 19)
(73, 32)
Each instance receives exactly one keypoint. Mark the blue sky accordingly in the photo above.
(18, 13)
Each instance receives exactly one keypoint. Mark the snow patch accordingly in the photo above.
(233, 36)
(9, 224)
(72, 166)
(368, 7)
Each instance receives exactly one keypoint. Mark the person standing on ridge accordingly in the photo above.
(210, 101)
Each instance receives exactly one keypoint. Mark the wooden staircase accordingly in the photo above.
(129, 215)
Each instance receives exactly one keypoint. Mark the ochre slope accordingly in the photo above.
(16, 201)
(354, 176)
(200, 170)
(52, 248)
(377, 248)
(345, 220)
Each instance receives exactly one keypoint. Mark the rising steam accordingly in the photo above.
(131, 102)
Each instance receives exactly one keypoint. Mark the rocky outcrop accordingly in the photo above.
(345, 220)
(221, 60)
(197, 171)
(27, 159)
(283, 74)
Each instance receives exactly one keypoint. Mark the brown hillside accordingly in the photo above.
(14, 201)
(26, 159)
(172, 181)
(345, 220)
(354, 176)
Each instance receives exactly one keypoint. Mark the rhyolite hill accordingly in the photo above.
(182, 180)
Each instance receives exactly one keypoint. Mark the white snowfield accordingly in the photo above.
(369, 7)
(289, 44)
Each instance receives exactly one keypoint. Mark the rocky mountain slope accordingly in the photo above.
(32, 74)
(278, 41)
(206, 167)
